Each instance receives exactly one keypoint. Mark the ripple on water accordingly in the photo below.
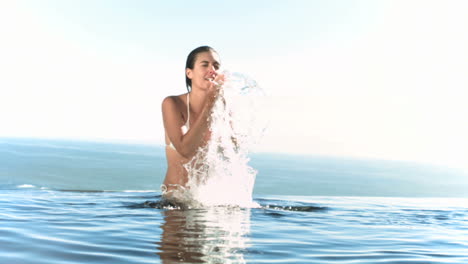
(100, 227)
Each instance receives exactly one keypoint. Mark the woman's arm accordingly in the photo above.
(187, 144)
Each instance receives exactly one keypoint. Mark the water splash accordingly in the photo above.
(26, 186)
(219, 173)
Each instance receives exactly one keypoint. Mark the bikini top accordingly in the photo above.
(185, 127)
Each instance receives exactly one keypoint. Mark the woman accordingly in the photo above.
(186, 116)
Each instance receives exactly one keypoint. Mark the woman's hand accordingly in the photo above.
(217, 82)
(216, 85)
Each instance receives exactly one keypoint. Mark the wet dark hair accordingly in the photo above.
(191, 62)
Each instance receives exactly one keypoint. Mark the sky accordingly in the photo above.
(364, 79)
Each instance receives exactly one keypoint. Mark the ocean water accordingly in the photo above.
(87, 202)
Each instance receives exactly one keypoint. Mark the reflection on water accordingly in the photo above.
(208, 235)
(59, 227)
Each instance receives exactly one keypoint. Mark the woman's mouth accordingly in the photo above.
(212, 81)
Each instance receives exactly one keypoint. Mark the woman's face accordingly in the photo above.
(204, 70)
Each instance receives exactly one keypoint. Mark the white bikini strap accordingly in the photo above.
(188, 108)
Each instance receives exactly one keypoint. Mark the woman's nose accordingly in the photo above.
(212, 71)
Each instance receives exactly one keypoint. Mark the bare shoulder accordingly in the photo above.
(170, 100)
(173, 102)
(172, 111)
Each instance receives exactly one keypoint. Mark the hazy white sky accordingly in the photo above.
(374, 79)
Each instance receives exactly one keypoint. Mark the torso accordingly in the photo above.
(176, 174)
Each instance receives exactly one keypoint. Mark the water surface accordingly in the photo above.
(87, 202)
